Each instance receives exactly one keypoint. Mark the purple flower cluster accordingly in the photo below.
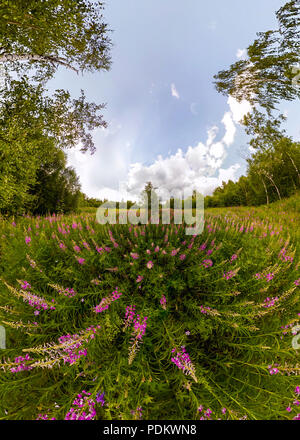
(20, 364)
(182, 360)
(85, 408)
(71, 345)
(36, 301)
(204, 309)
(206, 414)
(163, 302)
(270, 302)
(284, 257)
(106, 302)
(207, 263)
(129, 314)
(273, 369)
(140, 326)
(229, 275)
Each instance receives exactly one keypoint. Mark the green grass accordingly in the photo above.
(215, 288)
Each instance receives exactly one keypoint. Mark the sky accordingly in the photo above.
(166, 122)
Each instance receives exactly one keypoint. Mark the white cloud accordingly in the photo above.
(199, 167)
(241, 53)
(230, 129)
(174, 91)
(238, 109)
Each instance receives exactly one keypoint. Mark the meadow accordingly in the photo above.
(144, 322)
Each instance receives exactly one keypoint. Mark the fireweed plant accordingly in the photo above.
(129, 322)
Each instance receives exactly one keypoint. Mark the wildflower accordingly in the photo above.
(100, 398)
(150, 264)
(273, 370)
(21, 365)
(182, 257)
(27, 240)
(136, 339)
(129, 314)
(297, 282)
(85, 408)
(223, 410)
(289, 409)
(270, 302)
(269, 277)
(182, 360)
(25, 285)
(207, 263)
(80, 260)
(139, 278)
(163, 302)
(106, 302)
(137, 413)
(62, 246)
(297, 390)
(204, 309)
(233, 257)
(76, 248)
(134, 255)
(229, 275)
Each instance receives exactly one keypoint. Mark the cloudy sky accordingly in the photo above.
(167, 123)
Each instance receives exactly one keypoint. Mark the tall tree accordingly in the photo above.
(270, 72)
(42, 35)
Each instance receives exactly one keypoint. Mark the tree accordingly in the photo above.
(35, 38)
(149, 198)
(32, 127)
(57, 188)
(266, 76)
(45, 34)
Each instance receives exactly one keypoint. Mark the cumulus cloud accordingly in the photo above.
(241, 53)
(238, 109)
(174, 91)
(199, 167)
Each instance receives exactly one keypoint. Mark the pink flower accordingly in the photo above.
(182, 257)
(269, 277)
(207, 263)
(27, 240)
(139, 279)
(163, 302)
(150, 264)
(80, 260)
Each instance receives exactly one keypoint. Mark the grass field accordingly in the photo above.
(131, 322)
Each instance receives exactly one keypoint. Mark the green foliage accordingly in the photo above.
(216, 310)
(273, 173)
(265, 77)
(36, 38)
(41, 36)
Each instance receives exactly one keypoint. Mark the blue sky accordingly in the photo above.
(167, 123)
